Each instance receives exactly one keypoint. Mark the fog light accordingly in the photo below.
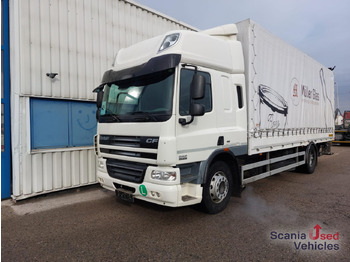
(101, 164)
(155, 194)
(163, 175)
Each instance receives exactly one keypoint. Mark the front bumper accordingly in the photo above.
(172, 194)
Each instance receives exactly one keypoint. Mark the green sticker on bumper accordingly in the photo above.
(143, 190)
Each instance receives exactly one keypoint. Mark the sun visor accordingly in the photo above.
(155, 64)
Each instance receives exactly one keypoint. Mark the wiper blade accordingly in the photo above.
(115, 117)
(112, 118)
(147, 116)
(112, 115)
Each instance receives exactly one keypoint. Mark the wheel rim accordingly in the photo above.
(312, 158)
(219, 187)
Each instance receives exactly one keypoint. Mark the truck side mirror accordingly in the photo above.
(198, 86)
(98, 114)
(197, 92)
(197, 109)
(99, 99)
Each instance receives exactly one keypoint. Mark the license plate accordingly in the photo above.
(124, 195)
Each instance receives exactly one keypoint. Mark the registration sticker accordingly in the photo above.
(143, 190)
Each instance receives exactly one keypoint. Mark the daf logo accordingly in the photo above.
(151, 140)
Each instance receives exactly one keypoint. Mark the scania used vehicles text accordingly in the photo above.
(192, 117)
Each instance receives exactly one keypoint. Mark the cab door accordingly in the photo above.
(197, 139)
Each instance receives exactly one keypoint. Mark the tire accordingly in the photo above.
(310, 159)
(218, 188)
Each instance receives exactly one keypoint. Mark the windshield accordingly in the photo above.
(141, 99)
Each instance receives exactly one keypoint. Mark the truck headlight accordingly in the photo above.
(163, 175)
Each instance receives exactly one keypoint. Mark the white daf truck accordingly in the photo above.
(192, 117)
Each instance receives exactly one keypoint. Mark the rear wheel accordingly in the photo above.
(218, 188)
(310, 159)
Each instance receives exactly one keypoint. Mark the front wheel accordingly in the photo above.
(218, 188)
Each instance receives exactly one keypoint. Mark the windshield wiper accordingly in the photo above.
(147, 116)
(111, 114)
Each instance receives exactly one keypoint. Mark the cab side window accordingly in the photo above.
(185, 99)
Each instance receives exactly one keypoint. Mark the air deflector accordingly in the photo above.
(155, 64)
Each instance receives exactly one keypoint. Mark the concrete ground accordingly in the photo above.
(271, 222)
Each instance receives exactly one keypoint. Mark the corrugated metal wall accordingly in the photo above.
(78, 39)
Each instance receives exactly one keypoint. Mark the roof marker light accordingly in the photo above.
(169, 41)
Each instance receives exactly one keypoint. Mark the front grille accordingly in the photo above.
(118, 145)
(130, 141)
(128, 153)
(126, 171)
(127, 141)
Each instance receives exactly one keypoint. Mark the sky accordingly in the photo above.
(319, 28)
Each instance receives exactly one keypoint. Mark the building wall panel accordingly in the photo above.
(57, 173)
(26, 176)
(75, 165)
(52, 171)
(78, 40)
(66, 169)
(81, 54)
(35, 45)
(47, 172)
(91, 166)
(72, 50)
(89, 69)
(54, 47)
(37, 173)
(45, 50)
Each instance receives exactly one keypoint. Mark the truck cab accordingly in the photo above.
(172, 119)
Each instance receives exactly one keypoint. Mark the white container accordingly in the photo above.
(290, 95)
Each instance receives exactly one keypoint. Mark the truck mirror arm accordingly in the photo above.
(184, 122)
(195, 110)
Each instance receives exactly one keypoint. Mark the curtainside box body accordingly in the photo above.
(290, 96)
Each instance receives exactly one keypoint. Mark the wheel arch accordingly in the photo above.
(230, 159)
